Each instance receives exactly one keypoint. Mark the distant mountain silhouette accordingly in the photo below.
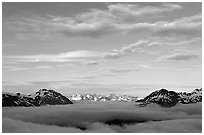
(41, 97)
(167, 98)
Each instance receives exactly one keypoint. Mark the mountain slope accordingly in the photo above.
(193, 97)
(167, 98)
(9, 99)
(51, 97)
(41, 97)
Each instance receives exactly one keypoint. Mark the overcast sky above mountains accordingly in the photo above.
(102, 47)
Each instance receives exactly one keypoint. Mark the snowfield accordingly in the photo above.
(110, 116)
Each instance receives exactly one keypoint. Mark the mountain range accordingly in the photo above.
(98, 97)
(161, 97)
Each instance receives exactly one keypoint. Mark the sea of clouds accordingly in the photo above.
(99, 117)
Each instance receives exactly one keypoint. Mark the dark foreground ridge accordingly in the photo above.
(167, 98)
(41, 97)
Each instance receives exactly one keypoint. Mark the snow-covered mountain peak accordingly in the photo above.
(167, 98)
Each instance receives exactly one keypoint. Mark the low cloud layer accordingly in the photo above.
(103, 117)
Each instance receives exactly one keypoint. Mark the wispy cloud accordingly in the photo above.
(15, 68)
(72, 56)
(131, 48)
(90, 57)
(133, 12)
(15, 83)
(123, 71)
(67, 65)
(144, 66)
(82, 56)
(44, 67)
(92, 63)
(181, 55)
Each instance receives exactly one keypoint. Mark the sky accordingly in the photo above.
(124, 48)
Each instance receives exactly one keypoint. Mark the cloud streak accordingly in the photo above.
(15, 68)
(72, 56)
(90, 57)
(182, 55)
(123, 71)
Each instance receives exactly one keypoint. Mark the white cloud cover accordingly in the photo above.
(97, 117)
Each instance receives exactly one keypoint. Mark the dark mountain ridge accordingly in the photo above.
(41, 97)
(167, 98)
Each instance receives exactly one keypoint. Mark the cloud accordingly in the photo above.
(72, 56)
(166, 41)
(133, 47)
(15, 68)
(44, 67)
(68, 65)
(182, 55)
(144, 66)
(88, 30)
(127, 49)
(14, 83)
(122, 71)
(132, 12)
(117, 18)
(111, 55)
(79, 56)
(18, 126)
(100, 117)
(88, 57)
(92, 63)
(170, 126)
(186, 26)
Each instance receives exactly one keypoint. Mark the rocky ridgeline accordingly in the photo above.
(167, 98)
(41, 97)
(97, 97)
